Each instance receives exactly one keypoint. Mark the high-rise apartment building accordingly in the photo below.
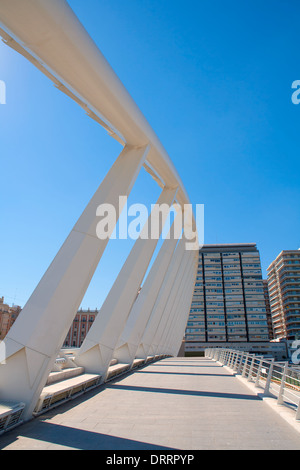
(284, 291)
(268, 308)
(228, 304)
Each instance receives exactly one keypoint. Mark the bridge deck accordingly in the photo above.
(177, 403)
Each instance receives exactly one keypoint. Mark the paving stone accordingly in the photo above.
(177, 403)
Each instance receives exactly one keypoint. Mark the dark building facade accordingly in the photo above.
(228, 304)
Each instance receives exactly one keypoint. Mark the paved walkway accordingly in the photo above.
(177, 403)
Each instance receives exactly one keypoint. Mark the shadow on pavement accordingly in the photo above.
(198, 393)
(72, 438)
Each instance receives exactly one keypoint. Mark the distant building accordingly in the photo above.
(268, 308)
(228, 306)
(77, 333)
(8, 316)
(284, 291)
(80, 326)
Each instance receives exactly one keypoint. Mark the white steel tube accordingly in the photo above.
(36, 337)
(172, 324)
(158, 319)
(49, 34)
(97, 349)
(130, 338)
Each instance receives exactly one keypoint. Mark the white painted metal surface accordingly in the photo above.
(50, 36)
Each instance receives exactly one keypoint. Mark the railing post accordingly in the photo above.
(258, 372)
(282, 385)
(224, 356)
(240, 364)
(251, 368)
(227, 354)
(236, 360)
(228, 357)
(33, 342)
(231, 358)
(269, 377)
(245, 365)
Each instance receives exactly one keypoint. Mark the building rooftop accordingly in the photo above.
(229, 246)
(282, 253)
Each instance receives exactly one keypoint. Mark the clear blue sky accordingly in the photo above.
(213, 78)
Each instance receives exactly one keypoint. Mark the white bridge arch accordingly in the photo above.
(51, 37)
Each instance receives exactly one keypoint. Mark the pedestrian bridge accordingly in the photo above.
(125, 388)
(173, 403)
(145, 312)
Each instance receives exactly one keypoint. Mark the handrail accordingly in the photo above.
(277, 379)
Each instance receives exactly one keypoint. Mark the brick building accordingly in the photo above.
(8, 316)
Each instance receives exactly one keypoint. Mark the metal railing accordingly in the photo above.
(277, 379)
(10, 416)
